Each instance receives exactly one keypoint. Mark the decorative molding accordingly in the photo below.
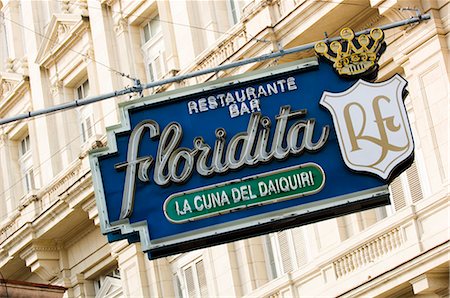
(10, 226)
(12, 87)
(83, 5)
(65, 4)
(63, 32)
(43, 259)
(368, 253)
(111, 287)
(109, 2)
(276, 295)
(253, 7)
(6, 86)
(24, 66)
(3, 138)
(64, 180)
(55, 88)
(121, 26)
(90, 207)
(9, 64)
(430, 283)
(28, 199)
(89, 56)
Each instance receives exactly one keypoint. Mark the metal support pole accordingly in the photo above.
(139, 88)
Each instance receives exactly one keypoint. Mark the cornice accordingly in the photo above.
(39, 246)
(18, 239)
(78, 186)
(47, 218)
(42, 257)
(90, 207)
(54, 188)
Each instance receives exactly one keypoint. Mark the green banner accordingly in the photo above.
(267, 188)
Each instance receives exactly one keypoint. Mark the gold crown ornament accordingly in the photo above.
(354, 57)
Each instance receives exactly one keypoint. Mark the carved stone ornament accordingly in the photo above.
(3, 138)
(121, 26)
(42, 257)
(9, 63)
(54, 89)
(5, 87)
(83, 5)
(65, 6)
(62, 31)
(24, 66)
(89, 56)
(110, 2)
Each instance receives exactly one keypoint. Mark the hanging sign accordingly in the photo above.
(248, 155)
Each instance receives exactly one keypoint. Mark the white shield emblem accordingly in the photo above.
(371, 125)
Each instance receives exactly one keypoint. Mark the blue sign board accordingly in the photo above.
(231, 159)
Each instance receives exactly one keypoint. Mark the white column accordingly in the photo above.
(252, 263)
(64, 125)
(160, 279)
(11, 11)
(186, 37)
(40, 94)
(312, 240)
(103, 53)
(172, 62)
(128, 37)
(224, 265)
(132, 271)
(10, 177)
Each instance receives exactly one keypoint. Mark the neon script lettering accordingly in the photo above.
(174, 164)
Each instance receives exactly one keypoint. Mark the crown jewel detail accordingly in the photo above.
(354, 56)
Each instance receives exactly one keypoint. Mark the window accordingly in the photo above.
(151, 29)
(286, 251)
(153, 49)
(86, 128)
(406, 189)
(155, 67)
(346, 226)
(86, 113)
(83, 90)
(26, 164)
(409, 187)
(235, 9)
(191, 280)
(25, 146)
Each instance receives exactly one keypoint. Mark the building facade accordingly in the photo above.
(55, 51)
